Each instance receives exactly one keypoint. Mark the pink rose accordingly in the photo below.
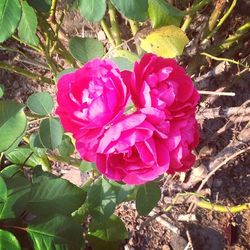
(183, 138)
(161, 83)
(90, 99)
(134, 150)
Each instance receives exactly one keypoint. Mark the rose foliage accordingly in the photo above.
(134, 125)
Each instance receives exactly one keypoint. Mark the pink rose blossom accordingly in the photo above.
(161, 83)
(183, 138)
(138, 147)
(134, 150)
(88, 100)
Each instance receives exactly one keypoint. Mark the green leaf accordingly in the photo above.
(66, 148)
(8, 241)
(40, 103)
(123, 192)
(59, 195)
(92, 10)
(1, 90)
(162, 13)
(112, 229)
(63, 72)
(132, 57)
(85, 49)
(20, 155)
(167, 41)
(3, 193)
(28, 24)
(36, 145)
(98, 244)
(11, 170)
(17, 196)
(13, 124)
(132, 9)
(10, 14)
(123, 63)
(59, 232)
(86, 166)
(147, 198)
(101, 200)
(41, 5)
(50, 133)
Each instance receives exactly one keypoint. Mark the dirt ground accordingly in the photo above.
(229, 186)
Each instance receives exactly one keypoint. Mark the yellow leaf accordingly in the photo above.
(168, 41)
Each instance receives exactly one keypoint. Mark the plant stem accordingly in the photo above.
(52, 15)
(217, 49)
(115, 30)
(188, 20)
(24, 72)
(222, 209)
(223, 19)
(224, 59)
(197, 5)
(219, 7)
(134, 28)
(190, 12)
(38, 49)
(107, 32)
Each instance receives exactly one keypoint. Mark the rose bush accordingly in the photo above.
(135, 148)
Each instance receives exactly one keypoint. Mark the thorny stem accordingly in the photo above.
(23, 72)
(115, 30)
(223, 19)
(190, 12)
(60, 47)
(219, 7)
(224, 59)
(215, 50)
(38, 49)
(208, 205)
(223, 209)
(107, 32)
(31, 59)
(198, 5)
(52, 16)
(134, 28)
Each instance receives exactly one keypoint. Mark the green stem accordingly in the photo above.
(23, 72)
(198, 5)
(241, 31)
(223, 19)
(107, 32)
(216, 50)
(208, 205)
(115, 30)
(190, 12)
(134, 29)
(219, 7)
(52, 15)
(223, 209)
(188, 20)
(38, 49)
(133, 26)
(31, 59)
(223, 59)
